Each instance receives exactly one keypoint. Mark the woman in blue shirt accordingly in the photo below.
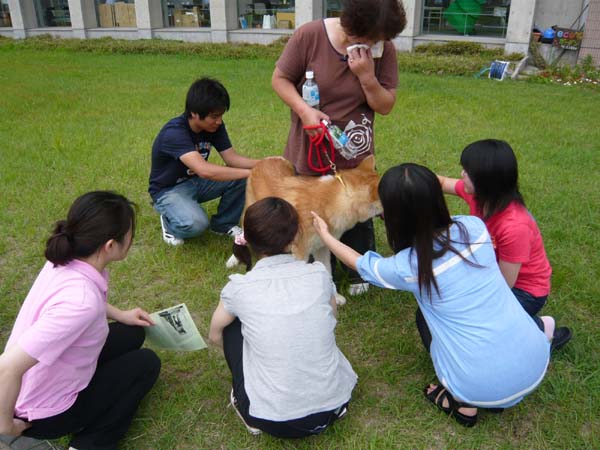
(486, 350)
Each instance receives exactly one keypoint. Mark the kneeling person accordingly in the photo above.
(276, 324)
(181, 178)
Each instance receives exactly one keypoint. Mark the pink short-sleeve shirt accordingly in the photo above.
(63, 325)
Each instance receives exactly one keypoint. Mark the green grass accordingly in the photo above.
(75, 121)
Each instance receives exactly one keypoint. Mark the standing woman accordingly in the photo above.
(486, 351)
(65, 369)
(490, 187)
(277, 327)
(353, 86)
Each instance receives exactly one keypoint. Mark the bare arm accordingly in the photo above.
(448, 184)
(204, 169)
(380, 99)
(286, 90)
(136, 316)
(234, 159)
(344, 253)
(220, 319)
(14, 362)
(510, 271)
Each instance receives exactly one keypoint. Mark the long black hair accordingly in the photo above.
(492, 167)
(93, 219)
(416, 217)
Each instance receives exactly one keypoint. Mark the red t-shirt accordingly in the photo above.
(517, 239)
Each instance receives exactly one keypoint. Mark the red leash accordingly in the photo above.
(318, 146)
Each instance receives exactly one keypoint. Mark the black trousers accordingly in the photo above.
(360, 238)
(296, 428)
(103, 411)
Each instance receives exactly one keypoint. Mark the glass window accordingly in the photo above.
(332, 8)
(186, 13)
(267, 14)
(466, 17)
(113, 14)
(4, 14)
(52, 13)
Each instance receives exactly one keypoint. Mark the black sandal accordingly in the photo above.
(437, 397)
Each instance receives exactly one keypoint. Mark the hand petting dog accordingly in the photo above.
(344, 253)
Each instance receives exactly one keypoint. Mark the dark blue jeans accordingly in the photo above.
(531, 304)
(185, 218)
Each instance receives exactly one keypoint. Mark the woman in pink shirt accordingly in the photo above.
(65, 369)
(490, 187)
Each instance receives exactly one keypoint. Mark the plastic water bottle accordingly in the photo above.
(341, 141)
(310, 90)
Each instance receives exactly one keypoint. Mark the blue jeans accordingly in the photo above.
(185, 218)
(529, 303)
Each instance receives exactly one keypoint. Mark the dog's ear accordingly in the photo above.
(368, 164)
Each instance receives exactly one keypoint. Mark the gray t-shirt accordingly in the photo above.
(292, 365)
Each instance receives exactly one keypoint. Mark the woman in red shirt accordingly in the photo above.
(490, 187)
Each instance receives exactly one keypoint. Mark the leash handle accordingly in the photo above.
(317, 146)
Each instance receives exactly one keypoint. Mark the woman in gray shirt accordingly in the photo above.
(276, 325)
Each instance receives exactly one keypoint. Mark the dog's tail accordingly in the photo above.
(242, 253)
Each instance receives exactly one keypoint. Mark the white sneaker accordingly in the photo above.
(168, 237)
(234, 231)
(233, 402)
(358, 288)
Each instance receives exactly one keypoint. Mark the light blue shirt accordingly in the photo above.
(485, 348)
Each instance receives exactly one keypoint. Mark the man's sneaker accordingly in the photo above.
(562, 335)
(233, 231)
(358, 288)
(168, 237)
(251, 430)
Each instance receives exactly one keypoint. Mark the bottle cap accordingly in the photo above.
(310, 74)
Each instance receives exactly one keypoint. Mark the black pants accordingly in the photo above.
(426, 334)
(360, 238)
(103, 411)
(296, 428)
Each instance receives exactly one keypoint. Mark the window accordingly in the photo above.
(267, 14)
(182, 13)
(5, 14)
(332, 8)
(466, 17)
(113, 14)
(52, 13)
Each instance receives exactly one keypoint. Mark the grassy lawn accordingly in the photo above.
(73, 122)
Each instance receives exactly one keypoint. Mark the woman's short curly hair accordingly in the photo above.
(373, 19)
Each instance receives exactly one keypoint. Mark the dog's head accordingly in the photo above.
(362, 183)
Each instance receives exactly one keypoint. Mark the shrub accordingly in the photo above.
(583, 74)
(149, 46)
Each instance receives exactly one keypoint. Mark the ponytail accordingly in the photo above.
(93, 219)
(59, 249)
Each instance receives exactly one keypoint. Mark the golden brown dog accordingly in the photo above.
(342, 202)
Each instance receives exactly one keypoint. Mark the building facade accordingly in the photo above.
(494, 23)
